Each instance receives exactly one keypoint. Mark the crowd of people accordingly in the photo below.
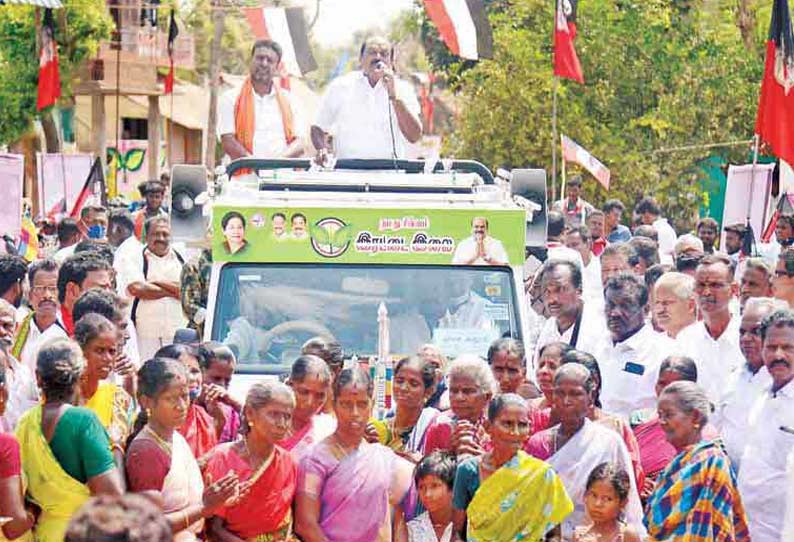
(650, 399)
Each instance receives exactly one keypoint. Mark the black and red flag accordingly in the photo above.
(49, 78)
(566, 63)
(775, 121)
(94, 186)
(173, 32)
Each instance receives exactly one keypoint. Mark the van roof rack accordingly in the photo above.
(445, 176)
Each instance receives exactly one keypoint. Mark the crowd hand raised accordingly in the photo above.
(371, 434)
(221, 491)
(123, 366)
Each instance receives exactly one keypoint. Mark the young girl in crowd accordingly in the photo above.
(347, 487)
(98, 339)
(507, 494)
(434, 477)
(159, 460)
(310, 380)
(606, 494)
(267, 471)
(404, 429)
(201, 429)
(217, 367)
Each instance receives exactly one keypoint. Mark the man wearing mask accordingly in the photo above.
(770, 439)
(260, 119)
(749, 382)
(41, 323)
(369, 113)
(714, 342)
(155, 288)
(93, 224)
(630, 357)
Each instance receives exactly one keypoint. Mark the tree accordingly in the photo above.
(659, 74)
(83, 24)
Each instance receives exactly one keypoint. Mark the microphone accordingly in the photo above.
(380, 65)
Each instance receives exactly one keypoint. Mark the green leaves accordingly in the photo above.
(320, 235)
(659, 75)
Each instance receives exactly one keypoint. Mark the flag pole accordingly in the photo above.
(756, 142)
(562, 184)
(554, 141)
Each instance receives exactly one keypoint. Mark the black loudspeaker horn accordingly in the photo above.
(188, 223)
(531, 184)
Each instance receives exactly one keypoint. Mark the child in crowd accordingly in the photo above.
(605, 498)
(434, 476)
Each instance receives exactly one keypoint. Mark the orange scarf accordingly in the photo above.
(244, 115)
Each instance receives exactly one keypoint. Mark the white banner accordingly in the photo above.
(12, 174)
(740, 187)
(60, 176)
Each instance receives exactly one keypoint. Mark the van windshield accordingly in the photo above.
(265, 312)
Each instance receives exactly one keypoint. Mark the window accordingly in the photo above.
(134, 128)
(267, 311)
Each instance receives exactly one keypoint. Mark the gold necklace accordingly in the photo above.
(164, 444)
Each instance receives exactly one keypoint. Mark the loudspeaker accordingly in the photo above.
(188, 222)
(531, 184)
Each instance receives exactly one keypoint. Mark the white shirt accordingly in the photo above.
(592, 330)
(36, 338)
(357, 115)
(63, 253)
(742, 390)
(126, 260)
(623, 390)
(592, 289)
(270, 141)
(23, 393)
(157, 320)
(667, 239)
(715, 359)
(558, 251)
(467, 250)
(788, 519)
(762, 478)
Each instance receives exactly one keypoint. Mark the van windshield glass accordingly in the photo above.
(265, 312)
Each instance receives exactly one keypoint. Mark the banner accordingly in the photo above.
(372, 236)
(60, 179)
(12, 174)
(738, 190)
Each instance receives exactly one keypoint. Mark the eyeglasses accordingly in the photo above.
(44, 289)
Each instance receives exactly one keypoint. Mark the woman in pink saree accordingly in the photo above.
(348, 487)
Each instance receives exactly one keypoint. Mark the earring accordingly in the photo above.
(148, 412)
(251, 424)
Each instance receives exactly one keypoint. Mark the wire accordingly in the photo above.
(393, 140)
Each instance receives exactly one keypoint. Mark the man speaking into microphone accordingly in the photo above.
(368, 113)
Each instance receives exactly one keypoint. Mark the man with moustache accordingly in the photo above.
(714, 341)
(260, 119)
(156, 290)
(571, 320)
(369, 113)
(41, 323)
(749, 381)
(629, 359)
(762, 477)
(77, 274)
(674, 304)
